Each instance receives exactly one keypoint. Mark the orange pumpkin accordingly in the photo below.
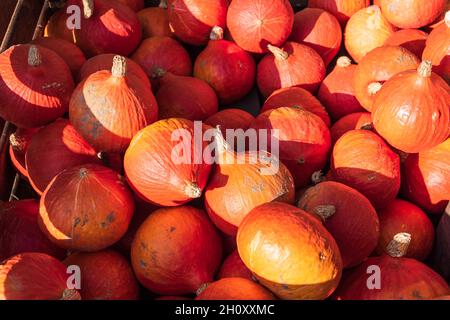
(359, 120)
(341, 9)
(234, 289)
(155, 21)
(411, 39)
(234, 267)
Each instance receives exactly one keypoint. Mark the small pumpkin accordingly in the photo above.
(19, 141)
(234, 289)
(135, 5)
(411, 39)
(234, 267)
(155, 21)
(353, 121)
(341, 9)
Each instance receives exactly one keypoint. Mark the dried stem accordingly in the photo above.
(119, 67)
(425, 68)
(399, 245)
(216, 33)
(163, 4)
(325, 211)
(374, 88)
(192, 190)
(279, 53)
(34, 56)
(344, 62)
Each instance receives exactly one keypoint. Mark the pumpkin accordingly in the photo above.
(441, 255)
(20, 230)
(33, 94)
(255, 24)
(257, 175)
(363, 161)
(412, 13)
(234, 267)
(299, 98)
(413, 104)
(337, 92)
(347, 215)
(341, 9)
(185, 97)
(292, 65)
(110, 107)
(192, 20)
(319, 30)
(402, 216)
(106, 275)
(106, 27)
(426, 178)
(164, 163)
(303, 138)
(56, 26)
(60, 141)
(6, 174)
(378, 66)
(135, 5)
(172, 298)
(155, 21)
(225, 67)
(366, 30)
(86, 208)
(353, 121)
(437, 49)
(159, 256)
(400, 278)
(19, 142)
(234, 289)
(309, 266)
(440, 20)
(411, 39)
(229, 244)
(34, 276)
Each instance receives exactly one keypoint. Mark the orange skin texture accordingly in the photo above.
(154, 22)
(412, 14)
(366, 30)
(354, 225)
(350, 122)
(402, 216)
(255, 24)
(319, 30)
(105, 275)
(234, 267)
(86, 208)
(227, 68)
(152, 173)
(304, 140)
(290, 252)
(363, 161)
(135, 5)
(401, 279)
(192, 20)
(437, 50)
(61, 142)
(303, 68)
(159, 256)
(380, 65)
(411, 39)
(19, 142)
(426, 178)
(341, 9)
(235, 289)
(410, 105)
(56, 27)
(296, 97)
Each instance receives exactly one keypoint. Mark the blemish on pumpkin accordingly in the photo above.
(322, 256)
(416, 294)
(153, 258)
(143, 264)
(172, 229)
(144, 245)
(371, 177)
(109, 219)
(76, 222)
(301, 161)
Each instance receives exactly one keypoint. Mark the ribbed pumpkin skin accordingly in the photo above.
(33, 96)
(304, 140)
(366, 30)
(341, 9)
(159, 256)
(437, 50)
(310, 265)
(363, 161)
(354, 121)
(426, 178)
(319, 30)
(401, 279)
(154, 22)
(155, 175)
(255, 24)
(34, 276)
(19, 141)
(354, 224)
(106, 275)
(235, 289)
(234, 267)
(86, 208)
(402, 216)
(299, 98)
(192, 20)
(380, 65)
(135, 5)
(411, 39)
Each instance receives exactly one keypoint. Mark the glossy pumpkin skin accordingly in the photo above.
(402, 216)
(153, 156)
(304, 140)
(255, 24)
(235, 289)
(19, 141)
(303, 68)
(61, 141)
(234, 267)
(105, 275)
(34, 276)
(155, 22)
(341, 9)
(414, 105)
(33, 94)
(310, 266)
(354, 121)
(363, 161)
(366, 30)
(354, 223)
(299, 98)
(411, 39)
(426, 178)
(86, 208)
(380, 65)
(159, 256)
(56, 26)
(135, 5)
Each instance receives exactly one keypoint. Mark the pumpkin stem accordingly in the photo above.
(34, 57)
(119, 67)
(447, 18)
(158, 73)
(70, 294)
(367, 126)
(374, 87)
(192, 190)
(17, 143)
(279, 53)
(344, 62)
(202, 288)
(317, 177)
(83, 172)
(373, 9)
(398, 246)
(425, 68)
(216, 33)
(163, 4)
(325, 211)
(88, 8)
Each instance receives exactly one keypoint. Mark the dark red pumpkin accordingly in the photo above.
(19, 142)
(353, 121)
(234, 267)
(234, 289)
(411, 39)
(57, 26)
(155, 21)
(441, 255)
(341, 9)
(230, 119)
(135, 5)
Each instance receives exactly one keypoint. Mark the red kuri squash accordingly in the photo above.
(57, 26)
(234, 289)
(19, 141)
(155, 21)
(232, 119)
(135, 5)
(341, 9)
(354, 121)
(233, 266)
(411, 39)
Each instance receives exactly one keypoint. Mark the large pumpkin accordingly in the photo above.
(342, 9)
(411, 39)
(234, 267)
(353, 121)
(234, 289)
(155, 21)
